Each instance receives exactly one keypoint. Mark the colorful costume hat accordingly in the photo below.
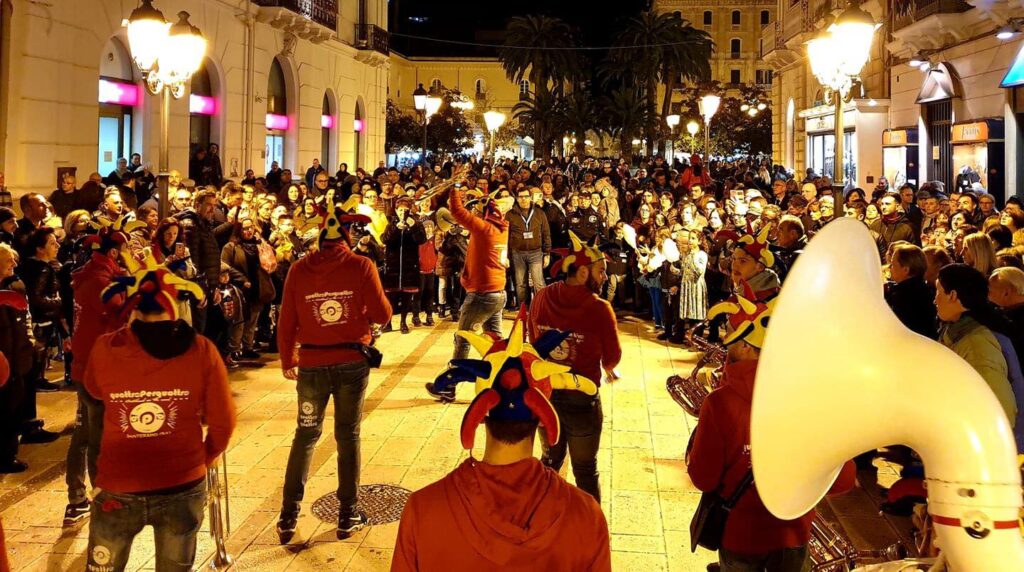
(755, 246)
(150, 287)
(513, 380)
(337, 222)
(111, 234)
(582, 254)
(748, 318)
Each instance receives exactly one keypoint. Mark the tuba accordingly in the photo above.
(811, 413)
(690, 392)
(220, 517)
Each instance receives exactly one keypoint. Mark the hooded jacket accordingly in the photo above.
(93, 317)
(518, 517)
(594, 341)
(160, 383)
(486, 256)
(720, 458)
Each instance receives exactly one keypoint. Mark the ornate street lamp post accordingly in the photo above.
(428, 104)
(494, 120)
(692, 128)
(837, 58)
(167, 55)
(672, 121)
(708, 107)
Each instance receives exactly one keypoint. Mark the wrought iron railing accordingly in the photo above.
(371, 37)
(907, 12)
(323, 12)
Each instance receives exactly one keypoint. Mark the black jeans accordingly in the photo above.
(316, 385)
(84, 448)
(580, 416)
(428, 294)
(11, 395)
(785, 560)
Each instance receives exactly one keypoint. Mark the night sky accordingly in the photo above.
(482, 21)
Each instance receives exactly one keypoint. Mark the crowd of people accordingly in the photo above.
(313, 268)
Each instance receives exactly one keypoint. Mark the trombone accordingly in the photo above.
(220, 511)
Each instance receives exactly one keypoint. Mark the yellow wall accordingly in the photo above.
(454, 73)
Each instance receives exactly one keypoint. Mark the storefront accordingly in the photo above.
(899, 156)
(978, 156)
(864, 121)
(118, 97)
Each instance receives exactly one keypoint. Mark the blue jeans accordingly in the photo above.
(478, 309)
(528, 261)
(580, 417)
(347, 383)
(656, 293)
(84, 448)
(785, 560)
(117, 518)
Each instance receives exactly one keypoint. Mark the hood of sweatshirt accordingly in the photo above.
(508, 510)
(164, 340)
(99, 267)
(570, 304)
(739, 377)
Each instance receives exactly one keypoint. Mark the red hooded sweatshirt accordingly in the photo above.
(594, 341)
(93, 318)
(154, 410)
(330, 297)
(488, 248)
(721, 457)
(518, 517)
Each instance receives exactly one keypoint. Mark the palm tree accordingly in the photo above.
(624, 111)
(540, 113)
(578, 115)
(536, 49)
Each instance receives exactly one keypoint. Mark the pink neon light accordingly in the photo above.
(118, 93)
(202, 105)
(358, 125)
(327, 121)
(277, 122)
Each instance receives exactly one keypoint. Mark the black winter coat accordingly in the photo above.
(205, 242)
(43, 290)
(454, 248)
(16, 340)
(402, 255)
(913, 303)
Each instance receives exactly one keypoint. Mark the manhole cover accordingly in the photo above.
(381, 503)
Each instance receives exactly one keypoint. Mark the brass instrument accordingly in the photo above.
(690, 392)
(457, 177)
(831, 551)
(220, 513)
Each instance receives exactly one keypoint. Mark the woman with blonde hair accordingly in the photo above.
(979, 253)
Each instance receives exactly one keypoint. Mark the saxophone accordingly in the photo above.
(220, 517)
(690, 392)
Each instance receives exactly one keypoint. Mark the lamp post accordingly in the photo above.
(419, 98)
(692, 128)
(672, 120)
(494, 120)
(708, 107)
(167, 55)
(837, 58)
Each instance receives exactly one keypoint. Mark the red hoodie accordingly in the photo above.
(330, 297)
(488, 249)
(594, 342)
(93, 318)
(154, 411)
(518, 517)
(721, 457)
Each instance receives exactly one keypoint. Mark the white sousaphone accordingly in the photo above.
(840, 375)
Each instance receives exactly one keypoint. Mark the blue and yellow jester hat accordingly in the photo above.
(336, 223)
(748, 317)
(513, 380)
(150, 287)
(111, 234)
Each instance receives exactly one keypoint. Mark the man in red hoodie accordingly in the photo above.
(506, 511)
(719, 460)
(576, 304)
(159, 382)
(92, 318)
(330, 300)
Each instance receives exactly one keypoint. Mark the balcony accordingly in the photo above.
(371, 37)
(907, 12)
(926, 25)
(313, 20)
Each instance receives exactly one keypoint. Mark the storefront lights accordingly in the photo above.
(275, 121)
(202, 105)
(327, 121)
(118, 93)
(358, 125)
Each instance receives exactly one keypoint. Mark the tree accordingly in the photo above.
(578, 113)
(402, 131)
(541, 114)
(449, 131)
(733, 130)
(624, 111)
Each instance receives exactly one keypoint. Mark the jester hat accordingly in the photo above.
(150, 287)
(581, 254)
(111, 234)
(755, 246)
(513, 380)
(747, 317)
(337, 222)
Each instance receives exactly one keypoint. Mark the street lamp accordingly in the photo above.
(672, 121)
(167, 56)
(494, 120)
(708, 107)
(692, 128)
(837, 58)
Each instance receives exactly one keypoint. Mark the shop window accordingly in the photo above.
(764, 77)
(277, 108)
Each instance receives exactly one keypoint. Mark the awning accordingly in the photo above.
(1015, 75)
(940, 83)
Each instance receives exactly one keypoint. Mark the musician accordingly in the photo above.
(751, 263)
(330, 300)
(159, 381)
(720, 457)
(575, 304)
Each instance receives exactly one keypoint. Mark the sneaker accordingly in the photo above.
(445, 396)
(664, 336)
(76, 512)
(45, 386)
(430, 320)
(38, 437)
(13, 466)
(249, 354)
(286, 525)
(405, 328)
(387, 328)
(350, 522)
(416, 321)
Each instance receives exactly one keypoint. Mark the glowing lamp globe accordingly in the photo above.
(692, 127)
(419, 97)
(709, 106)
(432, 105)
(672, 120)
(854, 30)
(147, 32)
(494, 120)
(183, 51)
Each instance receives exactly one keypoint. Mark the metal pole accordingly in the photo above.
(707, 140)
(493, 150)
(165, 128)
(425, 118)
(837, 163)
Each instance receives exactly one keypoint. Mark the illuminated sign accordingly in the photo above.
(118, 93)
(277, 122)
(358, 125)
(202, 105)
(327, 121)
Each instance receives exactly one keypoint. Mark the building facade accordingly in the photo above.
(283, 80)
(481, 79)
(938, 101)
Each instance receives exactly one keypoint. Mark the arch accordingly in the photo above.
(283, 99)
(207, 121)
(329, 134)
(481, 86)
(736, 18)
(524, 87)
(436, 85)
(789, 150)
(766, 17)
(359, 129)
(735, 47)
(119, 99)
(708, 17)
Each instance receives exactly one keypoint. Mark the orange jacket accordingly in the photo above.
(488, 249)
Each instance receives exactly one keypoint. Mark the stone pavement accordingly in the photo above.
(408, 440)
